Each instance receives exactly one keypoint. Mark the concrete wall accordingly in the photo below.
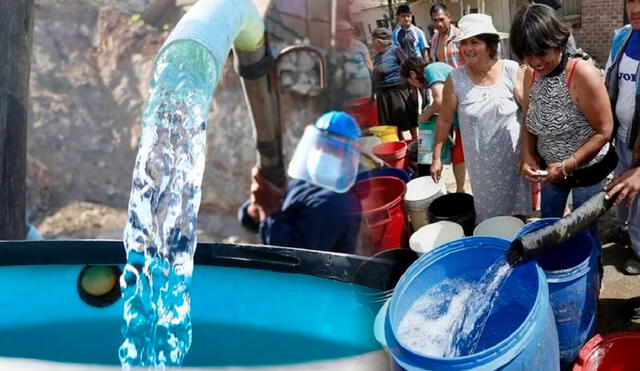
(594, 26)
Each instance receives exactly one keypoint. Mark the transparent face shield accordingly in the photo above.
(326, 160)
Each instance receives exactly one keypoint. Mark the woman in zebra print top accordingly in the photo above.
(567, 112)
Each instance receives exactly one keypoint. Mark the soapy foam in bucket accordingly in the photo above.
(420, 193)
(500, 226)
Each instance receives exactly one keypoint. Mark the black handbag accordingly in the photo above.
(592, 174)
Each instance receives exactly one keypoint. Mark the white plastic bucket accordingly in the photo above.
(499, 226)
(433, 235)
(420, 193)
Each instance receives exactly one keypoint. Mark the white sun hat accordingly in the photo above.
(477, 24)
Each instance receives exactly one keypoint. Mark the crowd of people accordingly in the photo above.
(548, 120)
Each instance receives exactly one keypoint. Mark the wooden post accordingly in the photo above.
(16, 35)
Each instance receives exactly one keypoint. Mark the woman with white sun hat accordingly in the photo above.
(486, 93)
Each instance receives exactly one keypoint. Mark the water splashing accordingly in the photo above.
(160, 235)
(448, 320)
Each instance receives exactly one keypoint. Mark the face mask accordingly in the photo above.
(324, 169)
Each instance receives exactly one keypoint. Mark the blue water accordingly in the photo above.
(160, 235)
(215, 345)
(241, 317)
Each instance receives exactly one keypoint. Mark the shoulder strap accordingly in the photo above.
(570, 75)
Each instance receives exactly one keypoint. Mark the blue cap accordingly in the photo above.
(338, 122)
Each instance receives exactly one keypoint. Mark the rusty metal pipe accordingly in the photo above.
(262, 93)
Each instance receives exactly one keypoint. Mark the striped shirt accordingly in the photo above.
(452, 54)
(557, 121)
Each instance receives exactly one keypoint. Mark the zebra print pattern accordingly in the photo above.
(557, 121)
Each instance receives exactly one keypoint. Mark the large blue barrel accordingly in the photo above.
(574, 284)
(251, 306)
(519, 333)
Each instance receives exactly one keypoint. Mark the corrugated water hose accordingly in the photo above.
(533, 244)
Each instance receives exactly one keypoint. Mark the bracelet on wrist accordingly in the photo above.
(564, 171)
(575, 162)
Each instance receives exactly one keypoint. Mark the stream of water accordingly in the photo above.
(448, 320)
(160, 235)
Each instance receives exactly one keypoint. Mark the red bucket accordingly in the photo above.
(364, 110)
(383, 211)
(612, 352)
(393, 153)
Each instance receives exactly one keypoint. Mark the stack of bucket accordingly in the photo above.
(421, 192)
(382, 212)
(386, 133)
(393, 153)
(454, 207)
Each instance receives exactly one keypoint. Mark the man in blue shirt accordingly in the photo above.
(316, 211)
(409, 37)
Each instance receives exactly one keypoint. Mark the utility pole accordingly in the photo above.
(391, 13)
(16, 35)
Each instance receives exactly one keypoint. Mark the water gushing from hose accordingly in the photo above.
(160, 235)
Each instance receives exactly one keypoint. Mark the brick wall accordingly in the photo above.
(594, 28)
(600, 18)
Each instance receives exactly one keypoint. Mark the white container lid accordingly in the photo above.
(499, 226)
(423, 188)
(433, 235)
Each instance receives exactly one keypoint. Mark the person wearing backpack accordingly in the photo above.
(392, 92)
(624, 93)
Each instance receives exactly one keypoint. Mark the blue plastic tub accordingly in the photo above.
(519, 334)
(574, 284)
(250, 306)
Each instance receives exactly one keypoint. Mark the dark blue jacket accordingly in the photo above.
(312, 218)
